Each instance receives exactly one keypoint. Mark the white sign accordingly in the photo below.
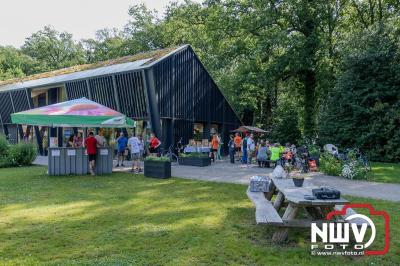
(55, 153)
(103, 152)
(71, 152)
(53, 142)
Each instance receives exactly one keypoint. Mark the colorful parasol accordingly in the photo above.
(75, 113)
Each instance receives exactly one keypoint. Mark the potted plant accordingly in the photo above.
(195, 159)
(158, 167)
(298, 181)
(314, 152)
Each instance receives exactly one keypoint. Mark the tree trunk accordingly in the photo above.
(310, 101)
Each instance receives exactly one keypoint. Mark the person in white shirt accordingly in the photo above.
(251, 146)
(134, 146)
(101, 141)
(141, 147)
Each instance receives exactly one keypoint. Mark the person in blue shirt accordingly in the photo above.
(122, 143)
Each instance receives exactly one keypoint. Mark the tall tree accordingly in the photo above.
(53, 49)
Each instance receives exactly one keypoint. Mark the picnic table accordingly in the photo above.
(292, 198)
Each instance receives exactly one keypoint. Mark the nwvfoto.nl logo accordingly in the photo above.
(349, 237)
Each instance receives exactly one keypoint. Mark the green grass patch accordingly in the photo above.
(385, 172)
(125, 219)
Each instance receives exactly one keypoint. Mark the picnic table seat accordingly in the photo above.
(265, 211)
(349, 212)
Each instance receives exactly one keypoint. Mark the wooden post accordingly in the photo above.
(279, 201)
(271, 192)
(281, 233)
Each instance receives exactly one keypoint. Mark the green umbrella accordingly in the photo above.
(75, 113)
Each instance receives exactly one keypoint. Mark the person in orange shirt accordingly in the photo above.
(214, 146)
(238, 145)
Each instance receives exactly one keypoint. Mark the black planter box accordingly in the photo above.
(195, 161)
(157, 169)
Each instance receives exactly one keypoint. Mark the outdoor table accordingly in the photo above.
(293, 196)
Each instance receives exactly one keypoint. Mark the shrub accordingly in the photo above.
(330, 165)
(4, 146)
(22, 154)
(5, 160)
(194, 155)
(354, 168)
(156, 158)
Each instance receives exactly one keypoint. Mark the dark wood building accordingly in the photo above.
(169, 89)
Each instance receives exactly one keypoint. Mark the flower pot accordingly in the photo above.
(298, 182)
(195, 161)
(157, 169)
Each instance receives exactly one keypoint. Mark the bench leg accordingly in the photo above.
(271, 192)
(281, 233)
(314, 213)
(278, 201)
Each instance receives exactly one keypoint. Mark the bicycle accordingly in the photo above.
(173, 152)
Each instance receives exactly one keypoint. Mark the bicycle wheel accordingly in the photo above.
(174, 159)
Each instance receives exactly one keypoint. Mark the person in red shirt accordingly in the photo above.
(154, 144)
(91, 149)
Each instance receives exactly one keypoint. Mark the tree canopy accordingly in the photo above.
(304, 69)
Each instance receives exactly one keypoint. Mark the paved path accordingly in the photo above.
(223, 171)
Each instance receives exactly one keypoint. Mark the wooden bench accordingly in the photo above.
(265, 211)
(349, 212)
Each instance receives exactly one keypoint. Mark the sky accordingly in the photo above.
(20, 18)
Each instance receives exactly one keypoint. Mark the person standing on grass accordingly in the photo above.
(91, 149)
(154, 144)
(122, 143)
(238, 145)
(231, 148)
(214, 147)
(134, 146)
(251, 146)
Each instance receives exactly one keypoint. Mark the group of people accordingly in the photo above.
(134, 146)
(216, 145)
(246, 150)
(74, 141)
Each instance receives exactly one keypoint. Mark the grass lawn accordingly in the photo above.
(385, 172)
(124, 219)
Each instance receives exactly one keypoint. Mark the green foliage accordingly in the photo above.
(363, 110)
(329, 165)
(338, 61)
(5, 160)
(15, 64)
(285, 125)
(194, 155)
(314, 150)
(53, 49)
(22, 154)
(15, 155)
(354, 168)
(157, 158)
